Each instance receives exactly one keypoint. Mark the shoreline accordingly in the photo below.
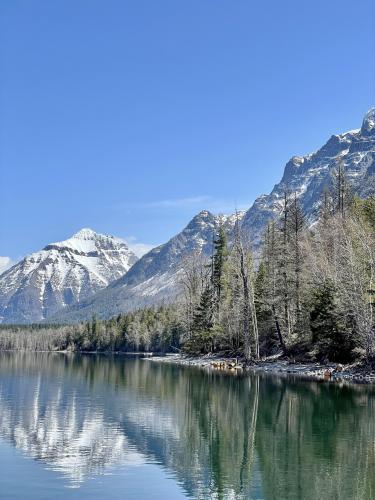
(276, 365)
(332, 372)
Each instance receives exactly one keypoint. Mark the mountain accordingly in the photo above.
(309, 175)
(154, 277)
(61, 274)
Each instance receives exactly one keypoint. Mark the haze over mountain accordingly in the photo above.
(30, 291)
(61, 274)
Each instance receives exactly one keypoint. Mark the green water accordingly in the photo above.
(113, 427)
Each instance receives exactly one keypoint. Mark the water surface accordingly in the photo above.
(112, 427)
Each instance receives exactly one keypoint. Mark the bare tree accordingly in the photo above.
(273, 286)
(244, 262)
(194, 277)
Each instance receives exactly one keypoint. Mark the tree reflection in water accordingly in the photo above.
(220, 436)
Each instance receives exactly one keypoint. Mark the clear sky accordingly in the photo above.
(130, 117)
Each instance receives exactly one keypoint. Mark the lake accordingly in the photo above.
(110, 427)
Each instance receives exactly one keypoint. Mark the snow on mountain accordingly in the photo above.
(308, 176)
(155, 277)
(61, 274)
(55, 421)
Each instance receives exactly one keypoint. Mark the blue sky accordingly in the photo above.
(131, 116)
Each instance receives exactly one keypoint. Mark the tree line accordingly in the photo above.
(154, 329)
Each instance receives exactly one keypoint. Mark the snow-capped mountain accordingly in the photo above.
(309, 175)
(61, 274)
(154, 278)
(59, 282)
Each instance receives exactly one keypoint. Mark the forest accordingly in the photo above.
(307, 291)
(310, 295)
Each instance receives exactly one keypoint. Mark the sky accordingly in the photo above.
(129, 117)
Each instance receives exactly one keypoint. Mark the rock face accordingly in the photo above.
(309, 175)
(155, 277)
(61, 274)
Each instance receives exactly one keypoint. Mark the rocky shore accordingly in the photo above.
(332, 372)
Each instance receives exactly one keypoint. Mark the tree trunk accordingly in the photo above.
(279, 334)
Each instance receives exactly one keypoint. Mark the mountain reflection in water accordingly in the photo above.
(216, 435)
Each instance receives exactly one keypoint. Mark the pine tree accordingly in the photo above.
(202, 328)
(330, 336)
(296, 223)
(93, 333)
(218, 266)
(284, 263)
(262, 304)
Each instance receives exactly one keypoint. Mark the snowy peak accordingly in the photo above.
(309, 175)
(87, 241)
(201, 221)
(85, 234)
(292, 168)
(62, 274)
(368, 125)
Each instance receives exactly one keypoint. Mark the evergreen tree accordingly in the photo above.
(202, 328)
(331, 338)
(296, 226)
(262, 305)
(218, 267)
(285, 262)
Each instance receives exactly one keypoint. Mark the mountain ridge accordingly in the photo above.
(307, 176)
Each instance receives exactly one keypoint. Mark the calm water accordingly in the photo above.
(112, 427)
